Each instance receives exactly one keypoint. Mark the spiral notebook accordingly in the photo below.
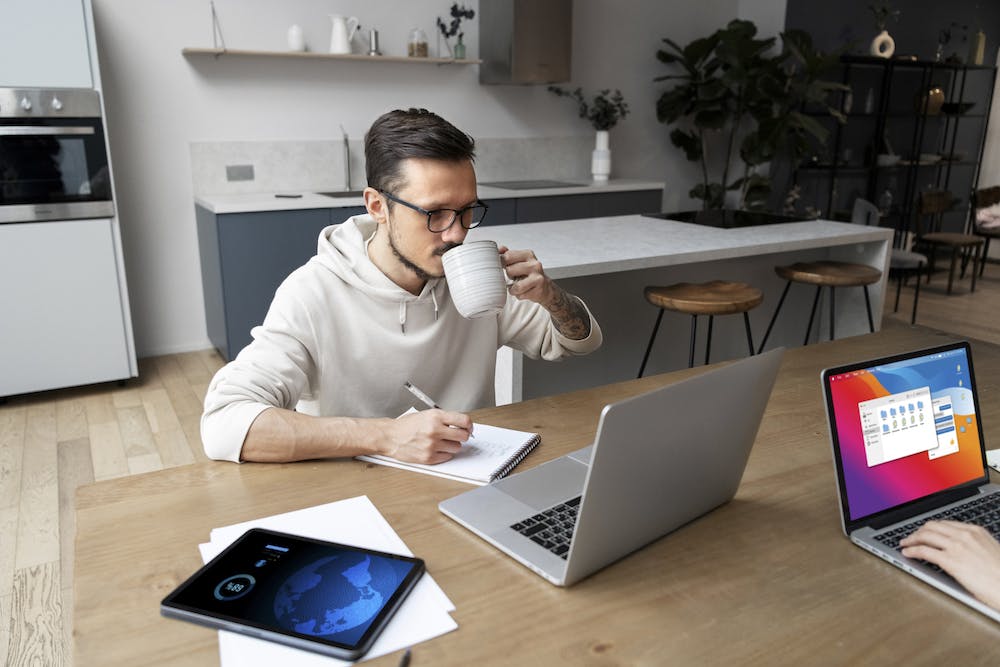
(489, 455)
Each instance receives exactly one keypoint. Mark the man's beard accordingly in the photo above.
(410, 264)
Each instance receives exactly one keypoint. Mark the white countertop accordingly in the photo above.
(269, 201)
(571, 248)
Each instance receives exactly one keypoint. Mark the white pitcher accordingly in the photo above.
(343, 31)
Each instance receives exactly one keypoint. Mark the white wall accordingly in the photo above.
(159, 101)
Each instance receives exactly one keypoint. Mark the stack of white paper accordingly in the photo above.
(355, 521)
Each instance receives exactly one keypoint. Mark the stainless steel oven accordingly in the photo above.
(53, 156)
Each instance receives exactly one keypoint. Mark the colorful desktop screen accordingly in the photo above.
(904, 429)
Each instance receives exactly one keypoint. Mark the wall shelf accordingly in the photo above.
(242, 53)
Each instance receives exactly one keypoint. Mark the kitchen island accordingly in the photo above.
(608, 261)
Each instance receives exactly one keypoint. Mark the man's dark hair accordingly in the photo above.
(414, 133)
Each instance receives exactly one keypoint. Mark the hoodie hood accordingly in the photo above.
(342, 249)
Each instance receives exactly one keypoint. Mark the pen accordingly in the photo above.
(405, 660)
(424, 398)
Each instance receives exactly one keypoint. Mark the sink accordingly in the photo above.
(342, 193)
(531, 185)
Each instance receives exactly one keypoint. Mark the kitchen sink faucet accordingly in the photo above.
(347, 160)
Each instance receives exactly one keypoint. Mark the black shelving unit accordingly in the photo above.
(886, 115)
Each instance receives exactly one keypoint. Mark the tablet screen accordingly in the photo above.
(311, 594)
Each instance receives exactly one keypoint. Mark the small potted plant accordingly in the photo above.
(603, 112)
(453, 28)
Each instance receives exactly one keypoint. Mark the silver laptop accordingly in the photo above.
(659, 460)
(907, 446)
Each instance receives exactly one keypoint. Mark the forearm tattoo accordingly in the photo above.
(569, 315)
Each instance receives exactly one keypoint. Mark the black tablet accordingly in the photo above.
(318, 596)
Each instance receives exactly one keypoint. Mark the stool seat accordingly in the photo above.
(718, 297)
(952, 239)
(829, 273)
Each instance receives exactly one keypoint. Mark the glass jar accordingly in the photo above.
(416, 47)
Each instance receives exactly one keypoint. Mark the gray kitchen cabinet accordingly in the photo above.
(567, 207)
(245, 256)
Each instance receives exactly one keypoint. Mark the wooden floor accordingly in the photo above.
(52, 442)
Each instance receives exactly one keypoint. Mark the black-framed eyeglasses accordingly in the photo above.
(441, 219)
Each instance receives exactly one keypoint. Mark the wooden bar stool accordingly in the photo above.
(718, 297)
(825, 273)
(932, 206)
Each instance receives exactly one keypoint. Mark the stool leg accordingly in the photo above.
(899, 288)
(694, 331)
(951, 268)
(986, 253)
(746, 323)
(868, 307)
(916, 297)
(774, 317)
(975, 266)
(708, 340)
(649, 347)
(812, 314)
(832, 311)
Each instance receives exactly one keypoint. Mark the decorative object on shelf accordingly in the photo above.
(296, 42)
(603, 112)
(883, 45)
(944, 38)
(451, 29)
(416, 46)
(373, 49)
(733, 97)
(931, 101)
(956, 108)
(977, 48)
(342, 32)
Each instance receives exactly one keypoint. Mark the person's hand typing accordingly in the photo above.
(429, 436)
(967, 552)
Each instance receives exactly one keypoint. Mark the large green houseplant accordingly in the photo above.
(733, 95)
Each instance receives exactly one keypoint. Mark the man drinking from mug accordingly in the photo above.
(324, 374)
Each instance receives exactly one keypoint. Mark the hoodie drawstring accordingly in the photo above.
(402, 311)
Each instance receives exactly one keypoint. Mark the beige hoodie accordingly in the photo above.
(340, 339)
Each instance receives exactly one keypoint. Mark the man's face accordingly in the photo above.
(429, 184)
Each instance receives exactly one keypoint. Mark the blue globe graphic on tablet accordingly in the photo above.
(335, 594)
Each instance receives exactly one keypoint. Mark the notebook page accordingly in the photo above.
(486, 453)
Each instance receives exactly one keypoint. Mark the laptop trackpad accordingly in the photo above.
(547, 484)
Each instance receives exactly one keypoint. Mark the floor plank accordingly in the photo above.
(38, 516)
(71, 419)
(12, 425)
(36, 635)
(5, 625)
(174, 448)
(106, 451)
(8, 547)
(75, 469)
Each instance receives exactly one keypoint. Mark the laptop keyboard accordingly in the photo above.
(552, 528)
(983, 511)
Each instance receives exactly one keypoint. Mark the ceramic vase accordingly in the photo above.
(600, 159)
(883, 45)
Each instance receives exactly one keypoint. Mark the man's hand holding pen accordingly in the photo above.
(428, 436)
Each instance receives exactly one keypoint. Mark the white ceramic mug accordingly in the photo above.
(475, 278)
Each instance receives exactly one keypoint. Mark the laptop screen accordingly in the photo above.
(903, 428)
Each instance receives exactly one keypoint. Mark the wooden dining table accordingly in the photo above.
(768, 578)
